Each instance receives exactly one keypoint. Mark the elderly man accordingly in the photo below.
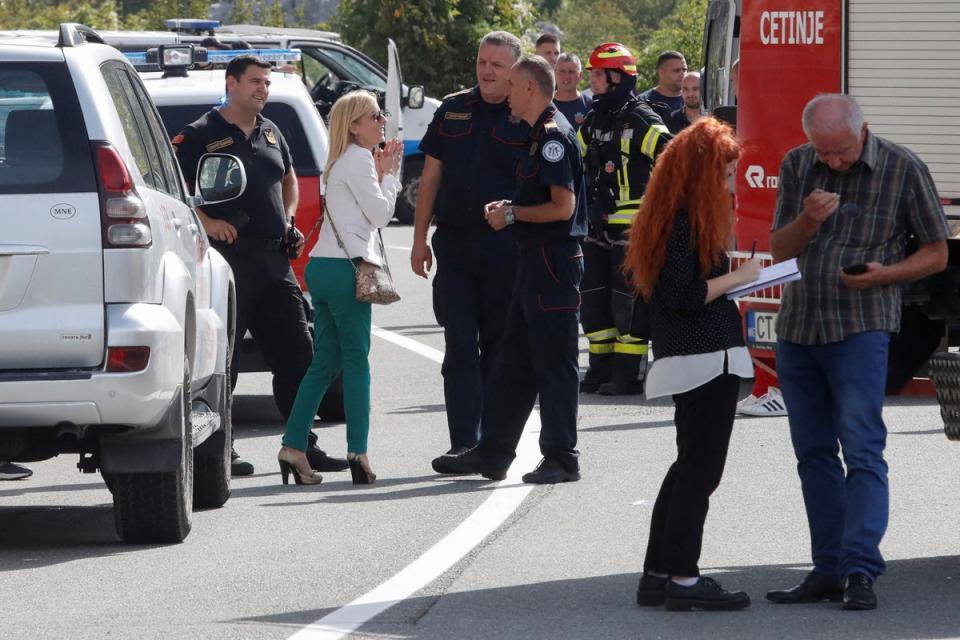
(847, 204)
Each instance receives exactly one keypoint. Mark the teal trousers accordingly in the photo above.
(341, 343)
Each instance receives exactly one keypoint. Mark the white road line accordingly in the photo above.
(397, 247)
(502, 502)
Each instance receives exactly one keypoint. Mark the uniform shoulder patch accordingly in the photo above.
(457, 93)
(553, 151)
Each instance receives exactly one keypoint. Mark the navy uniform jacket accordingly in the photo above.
(265, 157)
(551, 157)
(478, 144)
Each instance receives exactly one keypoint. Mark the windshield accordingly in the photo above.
(359, 71)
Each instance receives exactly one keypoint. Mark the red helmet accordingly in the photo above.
(613, 56)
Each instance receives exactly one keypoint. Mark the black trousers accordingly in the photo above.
(704, 420)
(271, 305)
(538, 358)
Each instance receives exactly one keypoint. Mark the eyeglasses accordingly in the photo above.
(380, 115)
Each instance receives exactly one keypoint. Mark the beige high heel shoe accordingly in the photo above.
(360, 469)
(291, 463)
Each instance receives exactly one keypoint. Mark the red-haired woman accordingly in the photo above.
(677, 260)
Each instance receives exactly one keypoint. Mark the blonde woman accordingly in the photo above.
(362, 187)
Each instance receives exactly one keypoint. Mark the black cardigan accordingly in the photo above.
(680, 322)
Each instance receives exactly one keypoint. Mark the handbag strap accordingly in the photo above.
(383, 252)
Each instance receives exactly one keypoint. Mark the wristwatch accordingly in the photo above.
(509, 216)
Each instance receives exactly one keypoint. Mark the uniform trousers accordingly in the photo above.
(539, 355)
(476, 267)
(342, 343)
(271, 305)
(704, 421)
(834, 395)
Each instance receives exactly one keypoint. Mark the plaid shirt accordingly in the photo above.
(886, 197)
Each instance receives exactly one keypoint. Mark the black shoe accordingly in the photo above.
(591, 385)
(617, 387)
(320, 461)
(11, 471)
(858, 593)
(652, 590)
(706, 595)
(239, 466)
(550, 471)
(466, 463)
(816, 587)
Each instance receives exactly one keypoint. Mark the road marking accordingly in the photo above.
(397, 247)
(502, 502)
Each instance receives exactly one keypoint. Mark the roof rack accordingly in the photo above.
(74, 33)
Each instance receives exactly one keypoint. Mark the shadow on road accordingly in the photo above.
(337, 488)
(917, 600)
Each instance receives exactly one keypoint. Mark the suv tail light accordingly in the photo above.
(123, 216)
(127, 359)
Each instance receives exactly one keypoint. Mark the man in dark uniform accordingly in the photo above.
(252, 233)
(621, 137)
(539, 356)
(471, 150)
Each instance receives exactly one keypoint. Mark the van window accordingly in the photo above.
(176, 117)
(43, 139)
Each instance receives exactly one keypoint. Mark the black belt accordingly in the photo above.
(263, 244)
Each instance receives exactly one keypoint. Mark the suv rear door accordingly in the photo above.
(51, 256)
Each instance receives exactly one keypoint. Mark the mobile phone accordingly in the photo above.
(855, 269)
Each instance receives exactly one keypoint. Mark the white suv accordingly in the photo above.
(116, 317)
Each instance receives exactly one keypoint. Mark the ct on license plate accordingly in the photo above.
(761, 327)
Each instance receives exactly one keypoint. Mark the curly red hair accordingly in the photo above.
(690, 174)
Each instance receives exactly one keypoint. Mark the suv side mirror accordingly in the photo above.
(220, 177)
(415, 97)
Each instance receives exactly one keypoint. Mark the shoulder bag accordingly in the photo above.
(374, 284)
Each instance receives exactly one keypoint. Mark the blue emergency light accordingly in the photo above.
(185, 56)
(178, 24)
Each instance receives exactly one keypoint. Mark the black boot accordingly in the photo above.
(629, 371)
(599, 371)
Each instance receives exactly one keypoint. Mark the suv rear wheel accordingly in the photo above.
(157, 507)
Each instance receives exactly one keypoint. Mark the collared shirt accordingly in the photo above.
(886, 197)
(551, 158)
(265, 157)
(479, 144)
(575, 111)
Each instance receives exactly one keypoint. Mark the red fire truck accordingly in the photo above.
(901, 60)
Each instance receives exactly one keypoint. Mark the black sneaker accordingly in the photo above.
(858, 593)
(11, 471)
(706, 595)
(550, 471)
(320, 461)
(651, 591)
(239, 466)
(466, 463)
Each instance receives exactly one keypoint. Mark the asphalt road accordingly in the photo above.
(563, 564)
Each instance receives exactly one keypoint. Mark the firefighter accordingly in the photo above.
(621, 137)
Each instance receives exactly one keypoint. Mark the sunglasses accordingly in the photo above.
(380, 115)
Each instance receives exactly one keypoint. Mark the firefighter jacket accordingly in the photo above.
(619, 147)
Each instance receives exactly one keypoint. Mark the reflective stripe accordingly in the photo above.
(649, 145)
(625, 162)
(631, 349)
(621, 217)
(583, 143)
(606, 347)
(602, 334)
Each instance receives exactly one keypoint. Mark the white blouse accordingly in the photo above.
(679, 374)
(358, 204)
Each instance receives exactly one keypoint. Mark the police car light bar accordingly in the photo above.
(267, 55)
(191, 25)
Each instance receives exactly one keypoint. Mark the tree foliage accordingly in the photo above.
(437, 38)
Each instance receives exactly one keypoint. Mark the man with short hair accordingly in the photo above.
(571, 102)
(847, 206)
(671, 68)
(252, 234)
(692, 108)
(539, 357)
(471, 148)
(548, 48)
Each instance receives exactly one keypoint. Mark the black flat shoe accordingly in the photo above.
(550, 471)
(651, 592)
(320, 461)
(469, 462)
(705, 595)
(858, 593)
(816, 587)
(239, 466)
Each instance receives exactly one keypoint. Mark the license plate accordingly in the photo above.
(761, 327)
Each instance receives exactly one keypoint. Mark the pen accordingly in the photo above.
(753, 251)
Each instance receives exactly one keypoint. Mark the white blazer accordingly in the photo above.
(358, 205)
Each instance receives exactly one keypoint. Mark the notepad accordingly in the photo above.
(779, 273)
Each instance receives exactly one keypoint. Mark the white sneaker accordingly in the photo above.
(769, 404)
(749, 401)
